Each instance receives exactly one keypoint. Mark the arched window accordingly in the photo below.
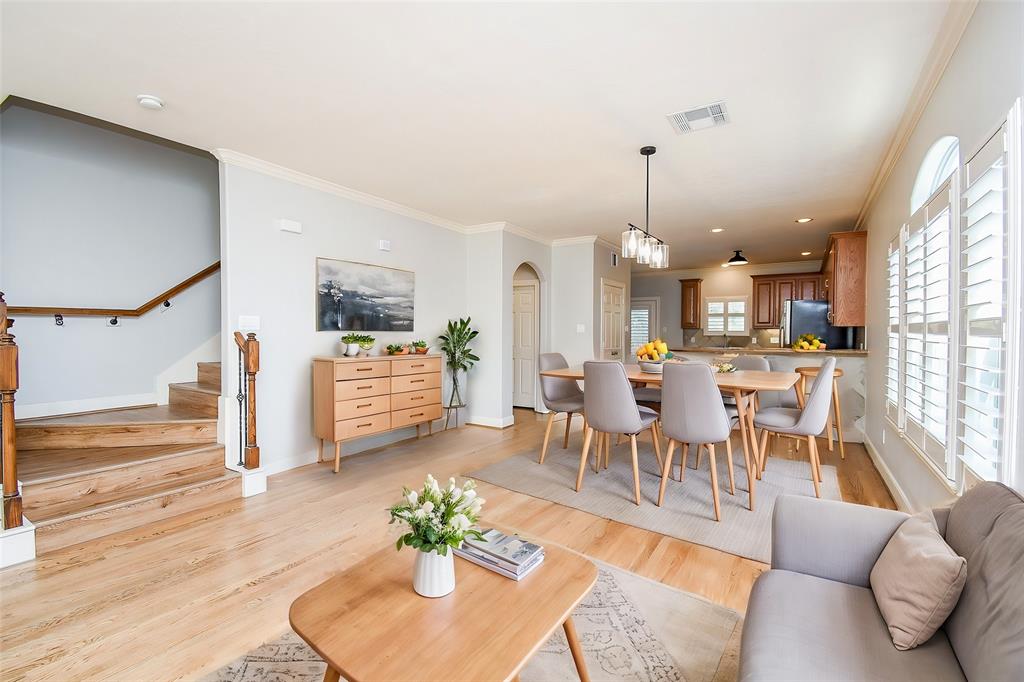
(939, 163)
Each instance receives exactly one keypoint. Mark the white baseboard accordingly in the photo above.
(18, 545)
(27, 411)
(898, 494)
(492, 422)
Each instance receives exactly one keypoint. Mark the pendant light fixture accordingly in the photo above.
(737, 259)
(638, 242)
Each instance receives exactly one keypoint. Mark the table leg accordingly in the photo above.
(758, 457)
(745, 437)
(331, 675)
(576, 649)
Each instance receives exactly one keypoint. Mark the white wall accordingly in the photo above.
(572, 278)
(483, 287)
(271, 274)
(977, 89)
(96, 218)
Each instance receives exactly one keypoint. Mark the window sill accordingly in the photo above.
(951, 486)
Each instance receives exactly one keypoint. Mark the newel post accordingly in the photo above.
(252, 366)
(8, 447)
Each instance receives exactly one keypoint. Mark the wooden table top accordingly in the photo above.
(741, 379)
(369, 624)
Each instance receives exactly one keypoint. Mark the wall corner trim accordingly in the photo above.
(898, 494)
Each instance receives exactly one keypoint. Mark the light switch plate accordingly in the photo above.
(249, 323)
(384, 244)
(286, 225)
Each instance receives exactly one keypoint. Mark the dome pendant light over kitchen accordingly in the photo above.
(638, 242)
(737, 259)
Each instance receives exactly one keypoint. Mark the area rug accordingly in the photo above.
(631, 629)
(688, 512)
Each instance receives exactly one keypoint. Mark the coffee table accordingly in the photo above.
(369, 624)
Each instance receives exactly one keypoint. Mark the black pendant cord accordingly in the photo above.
(647, 199)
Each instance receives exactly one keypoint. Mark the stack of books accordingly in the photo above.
(508, 555)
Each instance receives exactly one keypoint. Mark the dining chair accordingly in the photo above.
(610, 408)
(806, 422)
(693, 413)
(559, 395)
(757, 363)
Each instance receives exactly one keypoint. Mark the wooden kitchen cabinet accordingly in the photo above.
(771, 291)
(689, 314)
(843, 278)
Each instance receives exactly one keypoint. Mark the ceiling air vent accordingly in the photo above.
(708, 116)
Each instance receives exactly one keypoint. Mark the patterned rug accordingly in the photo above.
(631, 629)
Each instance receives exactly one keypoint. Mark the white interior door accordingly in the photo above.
(524, 344)
(613, 315)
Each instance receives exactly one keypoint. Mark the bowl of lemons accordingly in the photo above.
(809, 342)
(652, 354)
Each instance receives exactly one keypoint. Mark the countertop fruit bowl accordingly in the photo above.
(652, 367)
(809, 343)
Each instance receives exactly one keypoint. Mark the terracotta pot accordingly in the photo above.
(422, 351)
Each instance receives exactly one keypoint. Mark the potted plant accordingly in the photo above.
(458, 355)
(419, 346)
(366, 343)
(397, 349)
(438, 519)
(351, 343)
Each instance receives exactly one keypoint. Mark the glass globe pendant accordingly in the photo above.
(630, 242)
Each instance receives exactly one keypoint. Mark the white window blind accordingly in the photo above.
(982, 362)
(725, 315)
(926, 319)
(639, 327)
(892, 374)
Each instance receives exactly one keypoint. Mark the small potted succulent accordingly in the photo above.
(419, 346)
(397, 349)
(354, 343)
(366, 343)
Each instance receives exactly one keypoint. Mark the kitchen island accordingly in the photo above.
(771, 350)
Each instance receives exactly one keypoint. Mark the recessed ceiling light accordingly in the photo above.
(803, 220)
(725, 265)
(805, 253)
(150, 102)
(718, 229)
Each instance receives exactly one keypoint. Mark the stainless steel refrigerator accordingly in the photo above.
(811, 317)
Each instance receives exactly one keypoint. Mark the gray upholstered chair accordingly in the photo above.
(757, 363)
(803, 423)
(559, 395)
(611, 408)
(692, 411)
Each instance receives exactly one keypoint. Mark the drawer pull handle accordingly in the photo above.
(417, 397)
(419, 365)
(364, 369)
(363, 388)
(417, 381)
(359, 426)
(418, 414)
(364, 405)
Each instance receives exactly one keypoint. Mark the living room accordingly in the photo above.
(711, 311)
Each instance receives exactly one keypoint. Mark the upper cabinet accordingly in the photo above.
(771, 291)
(843, 276)
(689, 314)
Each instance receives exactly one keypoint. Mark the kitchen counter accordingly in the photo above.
(846, 352)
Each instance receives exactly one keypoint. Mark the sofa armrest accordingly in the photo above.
(834, 540)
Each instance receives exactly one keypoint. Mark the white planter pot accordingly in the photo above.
(434, 574)
(351, 349)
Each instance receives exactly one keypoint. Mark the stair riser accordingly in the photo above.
(202, 403)
(52, 499)
(40, 437)
(52, 536)
(208, 374)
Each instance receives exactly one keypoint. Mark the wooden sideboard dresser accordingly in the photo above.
(361, 396)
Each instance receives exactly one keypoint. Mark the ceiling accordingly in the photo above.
(528, 113)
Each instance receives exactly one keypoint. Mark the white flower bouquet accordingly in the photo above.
(438, 518)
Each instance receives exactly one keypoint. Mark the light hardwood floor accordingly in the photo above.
(183, 596)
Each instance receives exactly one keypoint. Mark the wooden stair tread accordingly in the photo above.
(53, 464)
(197, 387)
(149, 414)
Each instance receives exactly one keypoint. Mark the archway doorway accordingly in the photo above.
(525, 335)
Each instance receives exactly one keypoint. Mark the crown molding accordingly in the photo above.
(234, 158)
(511, 228)
(607, 244)
(952, 29)
(572, 241)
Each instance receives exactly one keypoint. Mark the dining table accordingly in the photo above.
(741, 384)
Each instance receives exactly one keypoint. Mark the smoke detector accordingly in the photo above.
(151, 102)
(708, 116)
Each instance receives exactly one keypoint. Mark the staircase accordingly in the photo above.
(88, 475)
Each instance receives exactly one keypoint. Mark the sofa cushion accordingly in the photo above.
(917, 581)
(986, 629)
(800, 627)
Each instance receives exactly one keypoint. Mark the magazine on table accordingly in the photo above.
(506, 554)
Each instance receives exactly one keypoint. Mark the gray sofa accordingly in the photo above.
(813, 616)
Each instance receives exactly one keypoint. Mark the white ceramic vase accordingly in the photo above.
(434, 574)
(351, 349)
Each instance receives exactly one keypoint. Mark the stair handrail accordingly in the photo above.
(8, 447)
(161, 298)
(248, 366)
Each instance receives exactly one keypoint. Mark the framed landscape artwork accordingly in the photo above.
(360, 297)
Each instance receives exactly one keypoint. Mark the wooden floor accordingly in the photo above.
(183, 596)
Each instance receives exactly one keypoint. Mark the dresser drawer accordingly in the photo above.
(403, 401)
(362, 370)
(415, 415)
(361, 388)
(362, 426)
(415, 366)
(360, 407)
(415, 382)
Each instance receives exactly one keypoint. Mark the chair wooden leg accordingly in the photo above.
(699, 455)
(812, 448)
(636, 469)
(763, 450)
(714, 481)
(839, 419)
(607, 450)
(828, 430)
(750, 477)
(618, 439)
(666, 469)
(683, 456)
(598, 452)
(583, 457)
(657, 442)
(320, 450)
(732, 474)
(568, 425)
(547, 437)
(331, 675)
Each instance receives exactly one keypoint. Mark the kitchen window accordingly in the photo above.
(726, 316)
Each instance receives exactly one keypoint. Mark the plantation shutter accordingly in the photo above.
(892, 372)
(715, 319)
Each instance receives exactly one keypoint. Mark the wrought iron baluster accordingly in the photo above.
(241, 398)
